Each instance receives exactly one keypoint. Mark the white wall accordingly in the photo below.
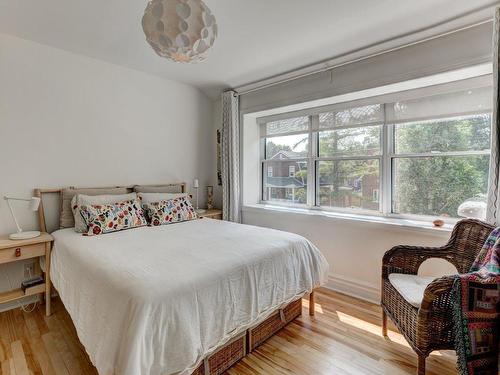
(67, 119)
(354, 249)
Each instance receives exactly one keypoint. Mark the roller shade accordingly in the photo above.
(460, 103)
(461, 49)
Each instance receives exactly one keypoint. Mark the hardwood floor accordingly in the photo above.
(343, 338)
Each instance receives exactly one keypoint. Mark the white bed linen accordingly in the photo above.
(157, 300)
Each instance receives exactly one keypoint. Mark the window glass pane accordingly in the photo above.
(281, 187)
(442, 105)
(351, 116)
(437, 185)
(349, 183)
(289, 125)
(452, 134)
(350, 142)
(287, 147)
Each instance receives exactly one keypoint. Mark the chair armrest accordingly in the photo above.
(435, 290)
(407, 259)
(436, 309)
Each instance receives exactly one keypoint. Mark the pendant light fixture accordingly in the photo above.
(179, 30)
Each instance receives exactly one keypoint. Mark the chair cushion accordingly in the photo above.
(411, 287)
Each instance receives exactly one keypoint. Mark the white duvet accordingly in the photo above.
(157, 300)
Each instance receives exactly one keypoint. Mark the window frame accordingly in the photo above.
(387, 154)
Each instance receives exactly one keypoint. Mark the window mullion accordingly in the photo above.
(262, 147)
(311, 164)
(387, 151)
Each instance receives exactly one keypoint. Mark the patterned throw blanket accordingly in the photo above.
(476, 297)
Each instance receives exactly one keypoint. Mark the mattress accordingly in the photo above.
(157, 300)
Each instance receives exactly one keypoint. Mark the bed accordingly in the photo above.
(163, 300)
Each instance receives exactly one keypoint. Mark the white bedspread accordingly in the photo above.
(157, 300)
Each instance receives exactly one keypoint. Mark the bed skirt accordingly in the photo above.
(239, 347)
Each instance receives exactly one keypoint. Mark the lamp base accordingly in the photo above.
(200, 210)
(24, 235)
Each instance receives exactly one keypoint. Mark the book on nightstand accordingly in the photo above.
(31, 283)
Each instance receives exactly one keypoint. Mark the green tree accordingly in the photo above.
(437, 185)
(338, 179)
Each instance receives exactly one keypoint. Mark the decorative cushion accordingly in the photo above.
(411, 287)
(157, 197)
(66, 218)
(90, 200)
(170, 211)
(158, 188)
(108, 218)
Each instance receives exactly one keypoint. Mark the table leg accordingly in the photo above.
(48, 285)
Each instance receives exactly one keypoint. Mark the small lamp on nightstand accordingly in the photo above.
(196, 185)
(34, 202)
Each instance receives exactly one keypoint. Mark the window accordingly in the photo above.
(420, 152)
(269, 171)
(286, 152)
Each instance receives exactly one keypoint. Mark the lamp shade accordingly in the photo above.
(474, 208)
(196, 183)
(179, 30)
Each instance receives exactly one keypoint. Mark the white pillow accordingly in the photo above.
(88, 200)
(147, 198)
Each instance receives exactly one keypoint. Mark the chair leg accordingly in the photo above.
(384, 323)
(421, 365)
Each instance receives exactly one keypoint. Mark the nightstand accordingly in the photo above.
(17, 250)
(212, 214)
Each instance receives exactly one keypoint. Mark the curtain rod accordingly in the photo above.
(331, 67)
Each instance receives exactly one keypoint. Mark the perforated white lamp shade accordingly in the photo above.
(473, 208)
(179, 30)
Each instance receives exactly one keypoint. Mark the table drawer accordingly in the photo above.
(22, 252)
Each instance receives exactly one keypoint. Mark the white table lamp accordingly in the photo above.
(34, 202)
(196, 185)
(474, 208)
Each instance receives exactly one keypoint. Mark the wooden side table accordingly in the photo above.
(212, 214)
(17, 250)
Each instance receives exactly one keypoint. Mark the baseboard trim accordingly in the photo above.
(354, 288)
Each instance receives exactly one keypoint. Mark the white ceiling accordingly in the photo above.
(257, 38)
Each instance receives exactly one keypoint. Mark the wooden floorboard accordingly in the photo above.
(343, 338)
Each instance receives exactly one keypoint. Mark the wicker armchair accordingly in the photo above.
(429, 327)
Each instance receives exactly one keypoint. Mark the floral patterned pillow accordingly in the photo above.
(170, 211)
(106, 218)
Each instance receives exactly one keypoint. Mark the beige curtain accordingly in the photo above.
(493, 210)
(230, 157)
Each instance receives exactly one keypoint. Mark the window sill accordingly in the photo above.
(415, 225)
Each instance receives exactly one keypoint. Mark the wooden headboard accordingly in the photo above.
(51, 200)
